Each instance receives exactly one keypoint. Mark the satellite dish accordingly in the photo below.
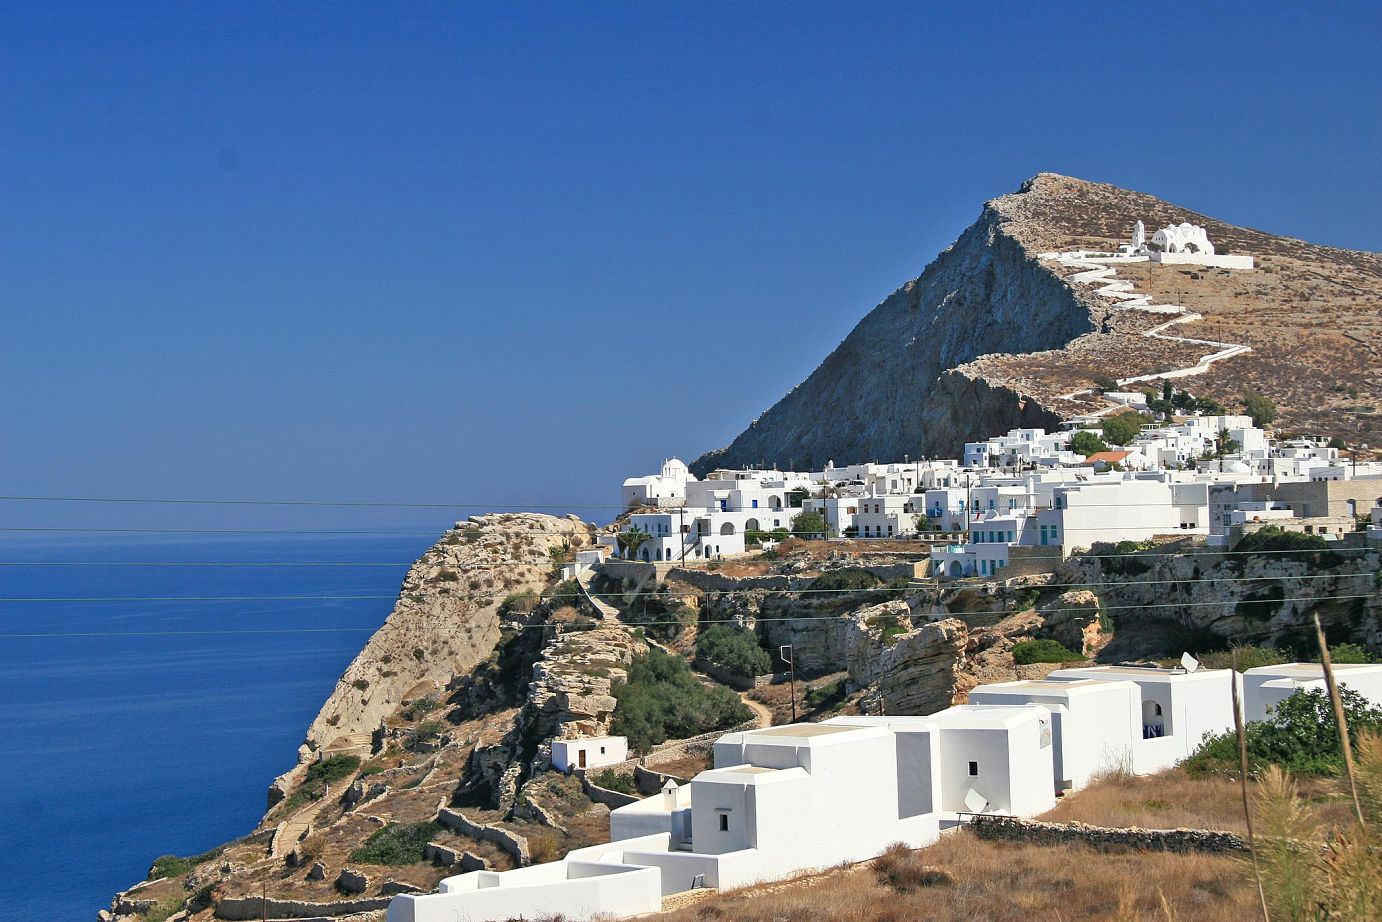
(1188, 662)
(975, 802)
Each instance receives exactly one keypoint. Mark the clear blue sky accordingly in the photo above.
(427, 251)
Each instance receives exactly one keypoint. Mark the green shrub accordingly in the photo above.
(1086, 443)
(1249, 657)
(332, 769)
(808, 524)
(172, 865)
(1350, 653)
(423, 736)
(1123, 428)
(890, 627)
(416, 708)
(1118, 558)
(1261, 606)
(847, 579)
(1299, 735)
(1260, 408)
(567, 592)
(396, 844)
(611, 780)
(1026, 652)
(733, 649)
(663, 699)
(520, 603)
(1274, 539)
(823, 696)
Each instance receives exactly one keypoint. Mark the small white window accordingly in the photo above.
(724, 822)
(973, 769)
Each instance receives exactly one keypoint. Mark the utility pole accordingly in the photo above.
(785, 652)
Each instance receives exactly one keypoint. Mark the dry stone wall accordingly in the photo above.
(1011, 829)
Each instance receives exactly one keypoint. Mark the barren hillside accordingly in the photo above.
(992, 336)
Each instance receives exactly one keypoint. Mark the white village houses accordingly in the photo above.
(791, 798)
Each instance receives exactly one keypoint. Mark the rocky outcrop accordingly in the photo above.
(913, 672)
(572, 692)
(1162, 604)
(447, 617)
(871, 397)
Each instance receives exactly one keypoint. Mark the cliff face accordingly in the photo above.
(446, 620)
(876, 396)
(992, 337)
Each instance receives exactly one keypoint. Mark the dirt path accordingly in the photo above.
(761, 711)
(1097, 271)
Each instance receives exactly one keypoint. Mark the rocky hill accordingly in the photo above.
(992, 336)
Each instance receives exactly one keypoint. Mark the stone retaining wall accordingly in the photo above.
(250, 908)
(1101, 837)
(733, 679)
(511, 842)
(611, 799)
(649, 782)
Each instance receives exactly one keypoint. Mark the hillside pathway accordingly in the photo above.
(1098, 271)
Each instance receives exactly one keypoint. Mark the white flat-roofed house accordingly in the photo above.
(1177, 708)
(984, 758)
(591, 752)
(891, 516)
(1095, 722)
(1131, 509)
(1264, 687)
(779, 800)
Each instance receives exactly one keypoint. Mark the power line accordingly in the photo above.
(633, 627)
(540, 563)
(806, 590)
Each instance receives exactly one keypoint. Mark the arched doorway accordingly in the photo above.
(751, 525)
(1153, 721)
(727, 528)
(956, 569)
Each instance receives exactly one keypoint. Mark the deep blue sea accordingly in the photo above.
(125, 736)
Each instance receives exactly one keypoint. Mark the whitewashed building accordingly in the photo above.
(1266, 686)
(590, 752)
(1176, 708)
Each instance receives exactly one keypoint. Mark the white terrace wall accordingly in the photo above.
(575, 890)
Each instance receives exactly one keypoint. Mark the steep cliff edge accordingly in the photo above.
(991, 336)
(986, 293)
(446, 620)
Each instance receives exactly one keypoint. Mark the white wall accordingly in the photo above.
(599, 751)
(575, 890)
(1265, 686)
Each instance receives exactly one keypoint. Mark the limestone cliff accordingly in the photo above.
(446, 620)
(990, 336)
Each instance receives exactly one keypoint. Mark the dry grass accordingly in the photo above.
(1173, 800)
(964, 878)
(686, 766)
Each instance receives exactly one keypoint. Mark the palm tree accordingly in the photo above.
(632, 540)
(1224, 445)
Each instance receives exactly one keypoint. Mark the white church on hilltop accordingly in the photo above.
(1181, 244)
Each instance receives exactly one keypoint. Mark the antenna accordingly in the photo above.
(1188, 662)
